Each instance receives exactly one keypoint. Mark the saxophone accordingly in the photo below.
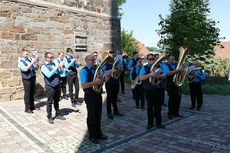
(155, 66)
(136, 82)
(99, 73)
(179, 77)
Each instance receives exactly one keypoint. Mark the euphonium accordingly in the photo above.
(191, 76)
(154, 67)
(107, 58)
(179, 77)
(118, 67)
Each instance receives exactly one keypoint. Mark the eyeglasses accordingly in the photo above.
(151, 59)
(50, 57)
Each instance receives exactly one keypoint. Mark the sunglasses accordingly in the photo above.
(151, 59)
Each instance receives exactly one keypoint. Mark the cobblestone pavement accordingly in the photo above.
(205, 131)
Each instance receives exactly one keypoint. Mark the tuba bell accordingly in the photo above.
(107, 58)
(155, 66)
(118, 67)
(179, 77)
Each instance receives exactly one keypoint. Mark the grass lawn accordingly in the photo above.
(216, 89)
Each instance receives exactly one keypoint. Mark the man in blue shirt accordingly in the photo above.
(51, 71)
(92, 99)
(138, 90)
(63, 75)
(71, 65)
(121, 78)
(112, 89)
(131, 64)
(174, 92)
(196, 88)
(28, 67)
(152, 94)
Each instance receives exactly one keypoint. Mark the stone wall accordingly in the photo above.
(51, 26)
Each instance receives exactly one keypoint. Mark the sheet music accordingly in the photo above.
(118, 57)
(191, 68)
(158, 71)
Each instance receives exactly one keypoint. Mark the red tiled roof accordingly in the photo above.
(223, 53)
(143, 51)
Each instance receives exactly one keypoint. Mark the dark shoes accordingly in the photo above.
(73, 104)
(160, 126)
(198, 109)
(60, 117)
(191, 108)
(178, 115)
(29, 111)
(103, 137)
(94, 140)
(50, 120)
(118, 113)
(66, 98)
(149, 127)
(110, 116)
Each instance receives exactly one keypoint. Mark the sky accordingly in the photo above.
(142, 17)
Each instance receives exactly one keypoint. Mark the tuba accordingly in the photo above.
(99, 73)
(155, 66)
(179, 77)
(190, 75)
(118, 67)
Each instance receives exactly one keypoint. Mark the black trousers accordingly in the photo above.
(153, 106)
(62, 86)
(29, 90)
(174, 101)
(94, 109)
(112, 90)
(196, 94)
(162, 95)
(53, 95)
(73, 80)
(122, 81)
(139, 95)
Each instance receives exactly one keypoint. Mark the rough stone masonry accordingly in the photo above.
(52, 25)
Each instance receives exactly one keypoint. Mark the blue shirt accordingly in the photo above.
(21, 66)
(84, 74)
(138, 69)
(123, 64)
(131, 63)
(201, 74)
(143, 72)
(64, 73)
(166, 68)
(68, 65)
(49, 73)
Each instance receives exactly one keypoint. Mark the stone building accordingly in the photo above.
(52, 25)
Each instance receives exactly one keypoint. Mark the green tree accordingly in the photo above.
(188, 25)
(119, 9)
(128, 43)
